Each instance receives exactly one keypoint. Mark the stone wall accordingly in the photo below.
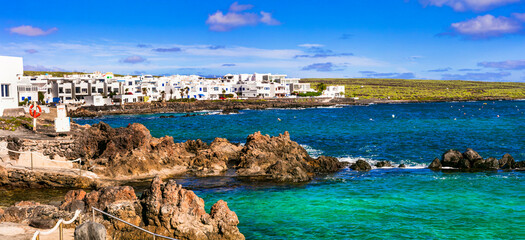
(46, 153)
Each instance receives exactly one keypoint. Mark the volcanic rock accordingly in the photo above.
(281, 159)
(132, 151)
(382, 164)
(172, 210)
(361, 165)
(435, 164)
(506, 162)
(451, 158)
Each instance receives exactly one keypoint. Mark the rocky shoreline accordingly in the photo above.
(130, 153)
(225, 106)
(164, 208)
(232, 106)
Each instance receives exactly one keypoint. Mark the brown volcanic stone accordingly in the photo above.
(73, 199)
(105, 196)
(165, 208)
(506, 162)
(281, 159)
(132, 151)
(177, 212)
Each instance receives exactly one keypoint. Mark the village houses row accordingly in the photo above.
(106, 89)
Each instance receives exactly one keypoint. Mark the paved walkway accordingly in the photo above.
(17, 231)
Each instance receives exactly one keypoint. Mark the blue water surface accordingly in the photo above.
(383, 203)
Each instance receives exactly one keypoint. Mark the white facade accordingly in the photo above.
(334, 92)
(10, 69)
(97, 88)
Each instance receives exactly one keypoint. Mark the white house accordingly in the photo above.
(10, 69)
(334, 92)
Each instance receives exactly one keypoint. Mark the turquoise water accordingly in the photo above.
(383, 203)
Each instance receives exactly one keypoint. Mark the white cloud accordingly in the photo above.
(236, 7)
(235, 18)
(507, 65)
(487, 26)
(268, 19)
(466, 5)
(311, 45)
(123, 58)
(519, 16)
(31, 31)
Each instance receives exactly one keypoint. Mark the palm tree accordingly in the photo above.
(182, 93)
(187, 91)
(163, 95)
(321, 87)
(171, 93)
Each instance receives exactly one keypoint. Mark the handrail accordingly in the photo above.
(135, 226)
(60, 221)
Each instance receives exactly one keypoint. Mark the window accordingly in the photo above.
(4, 88)
(77, 89)
(100, 90)
(84, 90)
(60, 90)
(130, 83)
(29, 98)
(93, 89)
(68, 90)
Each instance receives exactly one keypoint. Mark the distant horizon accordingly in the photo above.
(218, 76)
(395, 39)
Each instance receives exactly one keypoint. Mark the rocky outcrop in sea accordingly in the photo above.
(165, 208)
(132, 151)
(470, 160)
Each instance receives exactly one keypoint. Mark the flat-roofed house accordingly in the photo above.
(11, 68)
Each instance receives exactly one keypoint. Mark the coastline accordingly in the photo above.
(228, 106)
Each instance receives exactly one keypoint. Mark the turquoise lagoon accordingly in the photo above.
(393, 203)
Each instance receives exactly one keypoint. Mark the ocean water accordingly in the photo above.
(380, 204)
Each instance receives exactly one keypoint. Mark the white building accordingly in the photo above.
(10, 69)
(334, 92)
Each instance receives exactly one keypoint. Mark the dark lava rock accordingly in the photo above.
(229, 111)
(471, 155)
(519, 165)
(402, 165)
(435, 165)
(463, 163)
(382, 164)
(451, 158)
(506, 162)
(361, 165)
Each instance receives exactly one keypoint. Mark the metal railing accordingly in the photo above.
(59, 225)
(44, 158)
(130, 224)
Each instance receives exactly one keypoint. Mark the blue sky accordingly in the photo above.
(424, 39)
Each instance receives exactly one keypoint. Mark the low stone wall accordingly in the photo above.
(45, 153)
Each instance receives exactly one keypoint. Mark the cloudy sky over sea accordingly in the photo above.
(423, 39)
